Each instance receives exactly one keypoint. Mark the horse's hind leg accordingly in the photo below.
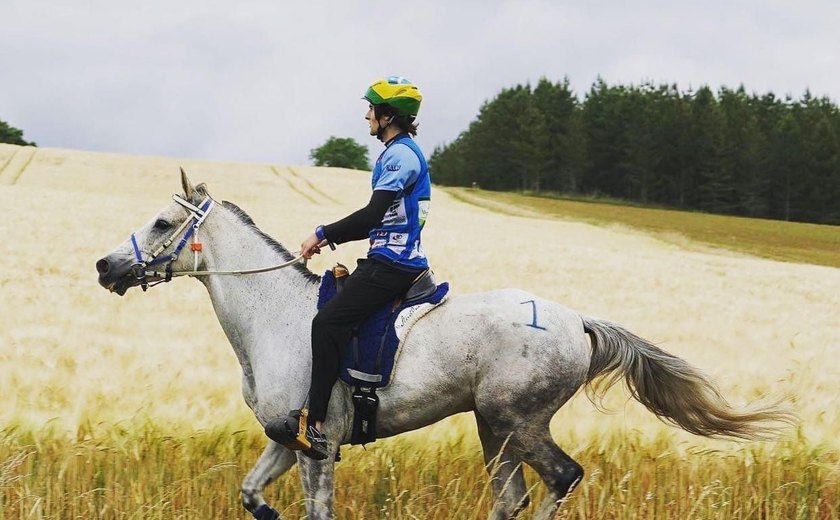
(559, 471)
(505, 469)
(317, 478)
(274, 461)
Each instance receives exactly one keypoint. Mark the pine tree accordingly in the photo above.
(563, 153)
(603, 130)
(820, 162)
(673, 145)
(742, 161)
(714, 184)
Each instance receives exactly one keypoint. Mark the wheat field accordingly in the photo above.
(131, 407)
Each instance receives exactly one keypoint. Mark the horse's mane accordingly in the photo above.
(275, 245)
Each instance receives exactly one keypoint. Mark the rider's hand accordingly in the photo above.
(311, 246)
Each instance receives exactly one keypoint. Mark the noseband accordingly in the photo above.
(197, 215)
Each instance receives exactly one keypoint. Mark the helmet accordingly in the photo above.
(397, 92)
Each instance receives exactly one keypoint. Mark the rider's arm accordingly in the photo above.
(358, 224)
(400, 168)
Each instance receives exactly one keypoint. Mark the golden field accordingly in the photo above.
(131, 408)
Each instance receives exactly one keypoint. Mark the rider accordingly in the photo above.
(392, 221)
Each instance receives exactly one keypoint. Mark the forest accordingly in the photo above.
(725, 152)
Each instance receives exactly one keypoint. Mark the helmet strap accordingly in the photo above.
(378, 115)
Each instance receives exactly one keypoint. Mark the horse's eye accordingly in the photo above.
(161, 224)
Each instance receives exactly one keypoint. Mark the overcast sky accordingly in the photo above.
(266, 81)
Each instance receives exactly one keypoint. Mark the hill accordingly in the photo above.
(774, 239)
(757, 325)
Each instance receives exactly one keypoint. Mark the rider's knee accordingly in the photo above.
(319, 321)
(323, 324)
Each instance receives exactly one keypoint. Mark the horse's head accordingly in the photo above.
(152, 253)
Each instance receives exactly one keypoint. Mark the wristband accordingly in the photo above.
(319, 234)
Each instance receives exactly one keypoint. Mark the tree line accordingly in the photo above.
(726, 152)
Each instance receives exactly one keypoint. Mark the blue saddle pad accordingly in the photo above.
(375, 346)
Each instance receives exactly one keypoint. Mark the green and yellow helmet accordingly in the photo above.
(397, 92)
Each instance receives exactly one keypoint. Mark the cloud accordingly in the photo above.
(268, 81)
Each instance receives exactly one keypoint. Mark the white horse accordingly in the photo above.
(510, 357)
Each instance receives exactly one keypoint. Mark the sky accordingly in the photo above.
(267, 81)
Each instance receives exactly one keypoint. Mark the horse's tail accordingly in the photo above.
(670, 387)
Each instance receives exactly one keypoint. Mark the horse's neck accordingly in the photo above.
(267, 316)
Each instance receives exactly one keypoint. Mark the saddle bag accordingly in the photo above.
(365, 406)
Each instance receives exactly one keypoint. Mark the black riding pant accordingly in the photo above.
(368, 288)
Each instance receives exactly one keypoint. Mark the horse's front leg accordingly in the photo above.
(318, 484)
(274, 461)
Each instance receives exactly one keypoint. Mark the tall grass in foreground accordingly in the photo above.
(145, 474)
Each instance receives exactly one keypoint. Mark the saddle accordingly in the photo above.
(422, 287)
(367, 362)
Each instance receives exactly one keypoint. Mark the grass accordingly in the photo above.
(777, 240)
(148, 474)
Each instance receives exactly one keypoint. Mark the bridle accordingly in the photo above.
(197, 216)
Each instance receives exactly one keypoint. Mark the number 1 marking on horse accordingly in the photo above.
(534, 310)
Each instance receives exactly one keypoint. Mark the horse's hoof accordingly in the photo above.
(266, 512)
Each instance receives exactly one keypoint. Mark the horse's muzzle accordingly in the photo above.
(116, 273)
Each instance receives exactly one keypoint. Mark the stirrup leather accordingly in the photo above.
(300, 442)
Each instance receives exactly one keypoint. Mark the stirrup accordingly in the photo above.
(319, 449)
(290, 431)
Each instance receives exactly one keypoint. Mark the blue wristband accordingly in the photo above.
(319, 234)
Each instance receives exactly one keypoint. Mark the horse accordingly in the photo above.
(509, 357)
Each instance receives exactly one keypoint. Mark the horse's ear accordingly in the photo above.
(189, 189)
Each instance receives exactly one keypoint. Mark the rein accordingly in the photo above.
(198, 214)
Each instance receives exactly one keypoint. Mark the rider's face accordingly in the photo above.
(372, 122)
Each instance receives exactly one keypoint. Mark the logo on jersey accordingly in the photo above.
(396, 214)
(399, 239)
(424, 206)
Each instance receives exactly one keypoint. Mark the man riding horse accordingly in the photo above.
(393, 221)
